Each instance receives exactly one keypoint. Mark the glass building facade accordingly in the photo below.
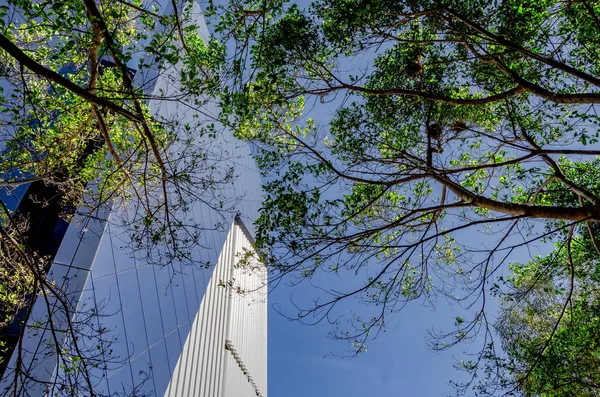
(193, 329)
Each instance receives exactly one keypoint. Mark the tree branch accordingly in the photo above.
(539, 57)
(529, 211)
(51, 75)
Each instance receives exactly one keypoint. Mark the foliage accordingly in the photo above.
(391, 133)
(549, 325)
(78, 119)
(16, 283)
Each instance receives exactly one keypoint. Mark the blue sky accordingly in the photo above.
(398, 362)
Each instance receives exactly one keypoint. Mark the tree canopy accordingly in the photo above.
(79, 134)
(390, 134)
(395, 134)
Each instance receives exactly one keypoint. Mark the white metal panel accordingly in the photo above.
(247, 333)
(225, 353)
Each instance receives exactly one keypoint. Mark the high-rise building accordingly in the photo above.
(197, 328)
